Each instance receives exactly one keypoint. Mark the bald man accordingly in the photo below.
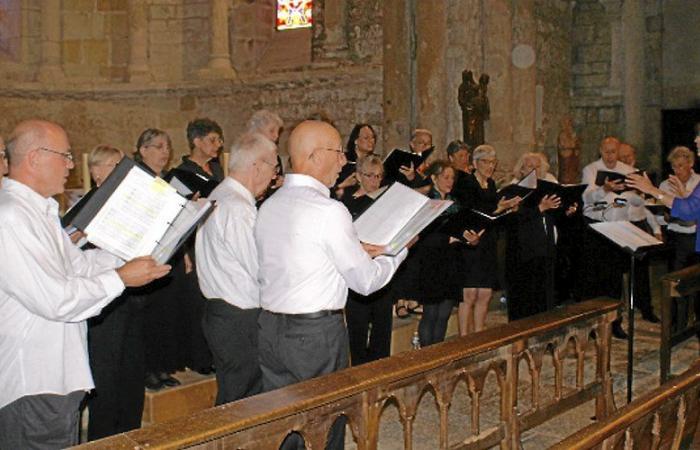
(309, 256)
(48, 288)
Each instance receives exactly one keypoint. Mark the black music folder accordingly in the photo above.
(568, 193)
(523, 188)
(397, 158)
(134, 213)
(188, 183)
(470, 219)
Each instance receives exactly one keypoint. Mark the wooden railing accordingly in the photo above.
(675, 286)
(515, 353)
(665, 418)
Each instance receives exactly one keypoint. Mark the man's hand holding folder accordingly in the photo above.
(141, 271)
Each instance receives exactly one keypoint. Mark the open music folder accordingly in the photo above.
(626, 235)
(396, 217)
(134, 213)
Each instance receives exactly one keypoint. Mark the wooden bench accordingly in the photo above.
(487, 361)
(675, 285)
(665, 418)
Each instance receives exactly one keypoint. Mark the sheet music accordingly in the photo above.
(387, 216)
(429, 212)
(625, 234)
(180, 186)
(181, 228)
(136, 215)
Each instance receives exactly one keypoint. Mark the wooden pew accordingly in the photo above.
(665, 418)
(684, 282)
(361, 393)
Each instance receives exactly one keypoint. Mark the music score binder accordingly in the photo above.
(397, 158)
(134, 213)
(523, 188)
(396, 217)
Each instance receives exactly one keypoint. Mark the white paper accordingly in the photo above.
(188, 217)
(180, 186)
(625, 234)
(135, 216)
(397, 216)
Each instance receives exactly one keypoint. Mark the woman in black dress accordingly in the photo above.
(368, 317)
(161, 313)
(481, 268)
(438, 256)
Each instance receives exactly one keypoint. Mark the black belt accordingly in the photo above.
(313, 315)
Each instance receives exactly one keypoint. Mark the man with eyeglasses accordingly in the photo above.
(48, 288)
(227, 260)
(309, 256)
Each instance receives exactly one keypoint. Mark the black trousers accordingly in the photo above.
(232, 334)
(433, 324)
(115, 343)
(42, 421)
(195, 350)
(369, 326)
(530, 287)
(295, 349)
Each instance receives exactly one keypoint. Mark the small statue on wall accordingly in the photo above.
(473, 100)
(569, 151)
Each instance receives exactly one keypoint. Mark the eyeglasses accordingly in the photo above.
(340, 150)
(67, 155)
(275, 165)
(215, 140)
(372, 176)
(161, 147)
(488, 162)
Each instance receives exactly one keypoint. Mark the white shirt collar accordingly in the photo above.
(237, 187)
(301, 180)
(49, 205)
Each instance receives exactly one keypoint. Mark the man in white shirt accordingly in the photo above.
(228, 268)
(48, 288)
(611, 202)
(309, 256)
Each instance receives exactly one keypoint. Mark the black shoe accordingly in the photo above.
(651, 317)
(168, 380)
(618, 332)
(153, 383)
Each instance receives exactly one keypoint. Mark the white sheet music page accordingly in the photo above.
(625, 234)
(389, 214)
(136, 215)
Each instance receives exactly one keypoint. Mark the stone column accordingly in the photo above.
(50, 69)
(431, 75)
(633, 26)
(613, 10)
(219, 55)
(396, 104)
(498, 44)
(138, 42)
(524, 76)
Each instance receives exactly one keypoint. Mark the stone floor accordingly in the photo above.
(646, 370)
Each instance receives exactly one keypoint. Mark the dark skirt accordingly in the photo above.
(480, 267)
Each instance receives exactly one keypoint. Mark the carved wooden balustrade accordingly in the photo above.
(675, 286)
(514, 353)
(665, 418)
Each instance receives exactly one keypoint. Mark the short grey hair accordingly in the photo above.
(483, 151)
(246, 150)
(262, 118)
(681, 152)
(368, 161)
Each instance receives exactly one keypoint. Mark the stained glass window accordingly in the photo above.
(293, 14)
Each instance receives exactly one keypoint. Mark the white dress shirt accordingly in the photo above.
(309, 251)
(633, 209)
(227, 260)
(48, 288)
(677, 225)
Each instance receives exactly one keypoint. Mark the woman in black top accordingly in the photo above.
(367, 315)
(162, 316)
(481, 269)
(439, 259)
(360, 144)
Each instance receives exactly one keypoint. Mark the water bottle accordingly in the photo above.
(415, 341)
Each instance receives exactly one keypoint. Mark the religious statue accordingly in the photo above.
(475, 107)
(569, 151)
